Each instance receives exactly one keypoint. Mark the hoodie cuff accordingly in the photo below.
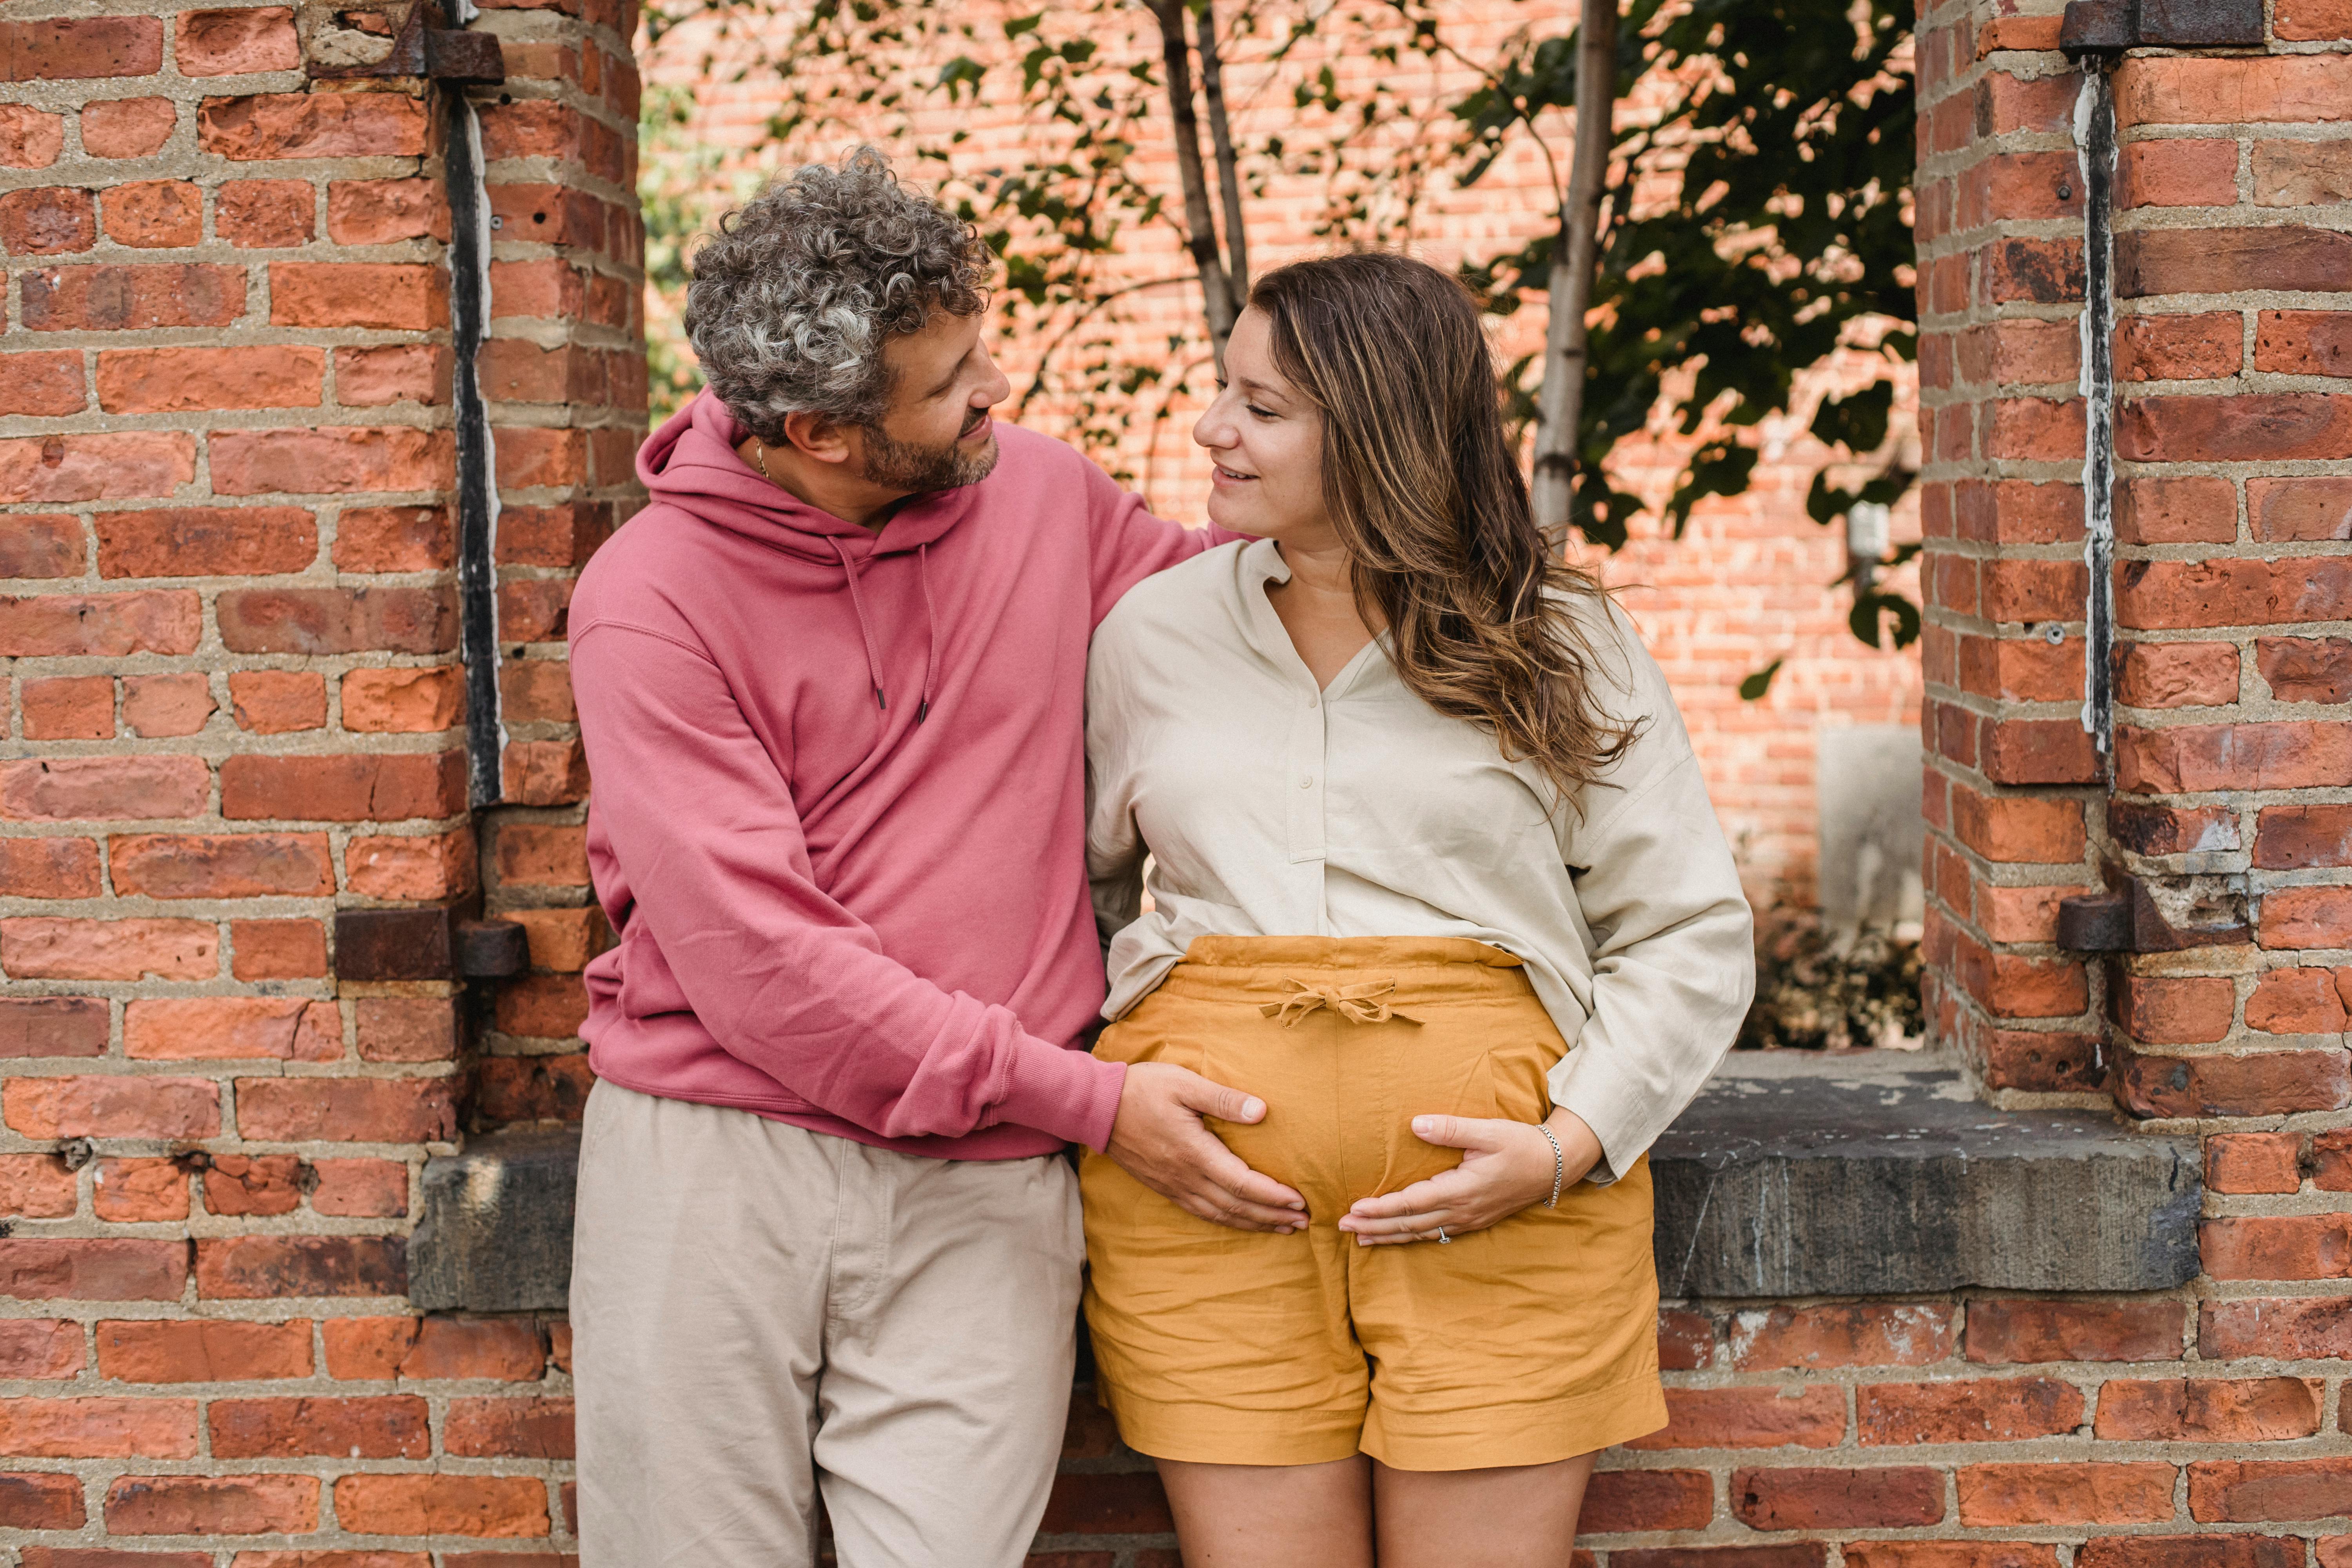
(1066, 1092)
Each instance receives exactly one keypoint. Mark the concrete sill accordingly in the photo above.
(1796, 1173)
(1875, 1172)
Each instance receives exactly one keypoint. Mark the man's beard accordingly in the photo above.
(905, 466)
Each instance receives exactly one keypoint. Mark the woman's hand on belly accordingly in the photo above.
(1505, 1166)
(1159, 1139)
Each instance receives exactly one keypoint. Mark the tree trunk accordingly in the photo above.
(1221, 136)
(1200, 223)
(1560, 404)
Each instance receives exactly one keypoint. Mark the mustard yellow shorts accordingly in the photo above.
(1530, 1341)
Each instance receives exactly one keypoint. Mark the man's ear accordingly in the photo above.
(816, 436)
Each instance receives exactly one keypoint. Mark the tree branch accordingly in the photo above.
(1080, 320)
(1221, 136)
(1201, 226)
(1569, 292)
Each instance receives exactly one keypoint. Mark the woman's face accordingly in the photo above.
(1266, 441)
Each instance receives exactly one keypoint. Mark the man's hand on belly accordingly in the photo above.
(1160, 1139)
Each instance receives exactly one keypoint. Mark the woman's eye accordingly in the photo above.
(1261, 412)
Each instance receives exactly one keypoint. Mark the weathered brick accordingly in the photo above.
(313, 126)
(374, 786)
(394, 539)
(256, 1268)
(112, 1107)
(1837, 1336)
(506, 1426)
(407, 700)
(2194, 758)
(411, 866)
(41, 947)
(2254, 1163)
(67, 468)
(2187, 509)
(393, 373)
(40, 544)
(266, 215)
(43, 384)
(548, 1007)
(31, 138)
(45, 1501)
(400, 295)
(2020, 828)
(39, 1348)
(212, 1505)
(536, 690)
(2300, 1002)
(48, 868)
(371, 1110)
(495, 1507)
(232, 43)
(406, 1028)
(2277, 1246)
(2304, 918)
(535, 1088)
(2246, 1490)
(362, 1189)
(1750, 1418)
(98, 1428)
(2303, 342)
(331, 461)
(2301, 173)
(49, 220)
(154, 214)
(253, 1184)
(2172, 1011)
(2227, 91)
(2263, 1083)
(500, 1349)
(382, 212)
(179, 1028)
(2301, 1328)
(167, 705)
(2305, 670)
(277, 701)
(173, 380)
(2029, 1329)
(1800, 1498)
(45, 1269)
(119, 299)
(391, 1426)
(2177, 171)
(203, 1350)
(542, 855)
(52, 1025)
(2290, 837)
(1614, 1502)
(2176, 675)
(277, 950)
(2213, 1551)
(128, 127)
(1977, 1410)
(2086, 1492)
(131, 1190)
(37, 1187)
(68, 708)
(2266, 426)
(2208, 1409)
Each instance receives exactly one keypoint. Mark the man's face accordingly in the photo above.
(936, 433)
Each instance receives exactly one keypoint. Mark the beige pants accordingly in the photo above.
(760, 1312)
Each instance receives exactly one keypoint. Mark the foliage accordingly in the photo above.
(1759, 217)
(1812, 993)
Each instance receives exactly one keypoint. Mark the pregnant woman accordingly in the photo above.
(1435, 876)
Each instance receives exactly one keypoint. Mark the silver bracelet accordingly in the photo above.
(1559, 1165)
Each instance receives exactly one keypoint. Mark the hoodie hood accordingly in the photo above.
(690, 463)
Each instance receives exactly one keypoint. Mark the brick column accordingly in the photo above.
(230, 633)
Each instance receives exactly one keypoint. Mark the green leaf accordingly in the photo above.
(1753, 689)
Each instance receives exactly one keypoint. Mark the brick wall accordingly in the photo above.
(234, 707)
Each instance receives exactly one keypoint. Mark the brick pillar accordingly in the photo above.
(230, 633)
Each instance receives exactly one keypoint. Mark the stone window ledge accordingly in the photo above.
(1795, 1174)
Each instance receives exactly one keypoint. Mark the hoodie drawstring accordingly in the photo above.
(865, 628)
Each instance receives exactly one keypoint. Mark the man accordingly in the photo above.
(830, 683)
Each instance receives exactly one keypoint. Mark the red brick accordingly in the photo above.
(2254, 1163)
(2194, 758)
(2020, 828)
(390, 1427)
(2222, 260)
(562, 940)
(2008, 103)
(2209, 1409)
(2191, 1551)
(277, 701)
(382, 212)
(2176, 675)
(203, 1350)
(100, 1428)
(529, 457)
(50, 220)
(2312, 19)
(109, 1557)
(66, 469)
(548, 289)
(2191, 1010)
(2035, 429)
(137, 1190)
(376, 786)
(133, 298)
(1856, 1334)
(2264, 1083)
(2025, 750)
(43, 1268)
(173, 380)
(313, 126)
(127, 127)
(400, 295)
(1617, 1501)
(1750, 1418)
(43, 384)
(2242, 1491)
(65, 789)
(221, 1505)
(2035, 590)
(2035, 271)
(407, 700)
(2303, 342)
(53, 1026)
(411, 866)
(2037, 1329)
(542, 855)
(2306, 918)
(30, 139)
(544, 1006)
(41, 1501)
(233, 43)
(37, 1187)
(223, 866)
(533, 610)
(39, 544)
(2185, 172)
(48, 868)
(363, 1189)
(534, 1087)
(545, 773)
(338, 620)
(253, 1184)
(493, 1507)
(2228, 90)
(2190, 510)
(2082, 1492)
(394, 539)
(504, 1427)
(40, 1348)
(2300, 1001)
(407, 1028)
(2304, 1328)
(1791, 1554)
(2301, 173)
(42, 948)
(437, 1348)
(536, 690)
(1685, 1340)
(154, 214)
(2270, 426)
(2178, 348)
(372, 1110)
(159, 706)
(2148, 829)
(393, 373)
(2277, 1246)
(277, 950)
(285, 1028)
(112, 1107)
(331, 461)
(2040, 1061)
(2305, 670)
(1836, 1498)
(266, 215)
(256, 1268)
(2331, 1161)
(1980, 1410)
(68, 708)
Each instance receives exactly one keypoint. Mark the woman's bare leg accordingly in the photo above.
(1520, 1516)
(1272, 1516)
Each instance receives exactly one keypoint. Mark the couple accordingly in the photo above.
(1442, 933)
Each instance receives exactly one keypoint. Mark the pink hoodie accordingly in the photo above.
(839, 785)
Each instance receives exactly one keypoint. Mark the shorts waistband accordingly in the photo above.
(1259, 968)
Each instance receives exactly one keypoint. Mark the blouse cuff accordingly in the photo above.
(1615, 1106)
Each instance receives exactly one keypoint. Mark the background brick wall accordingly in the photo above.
(234, 708)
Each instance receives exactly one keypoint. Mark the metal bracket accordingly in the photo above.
(491, 949)
(427, 941)
(2111, 26)
(393, 39)
(454, 55)
(2166, 914)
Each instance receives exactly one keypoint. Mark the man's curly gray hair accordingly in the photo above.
(795, 295)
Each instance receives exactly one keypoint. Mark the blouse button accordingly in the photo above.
(1311, 700)
(1307, 781)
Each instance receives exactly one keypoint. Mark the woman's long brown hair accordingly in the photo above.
(1425, 489)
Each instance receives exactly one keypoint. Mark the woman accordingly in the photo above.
(1421, 817)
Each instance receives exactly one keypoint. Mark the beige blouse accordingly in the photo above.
(1271, 808)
